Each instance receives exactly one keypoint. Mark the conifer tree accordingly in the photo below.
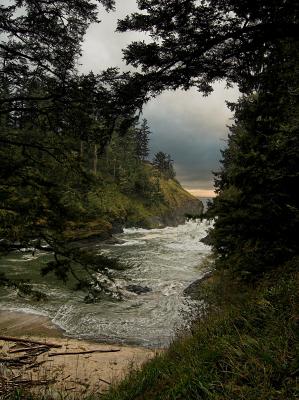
(46, 110)
(253, 44)
(164, 164)
(142, 140)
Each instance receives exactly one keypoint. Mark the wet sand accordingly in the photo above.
(74, 374)
(15, 323)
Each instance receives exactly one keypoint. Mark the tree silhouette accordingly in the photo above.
(164, 164)
(142, 140)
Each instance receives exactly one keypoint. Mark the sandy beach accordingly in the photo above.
(74, 374)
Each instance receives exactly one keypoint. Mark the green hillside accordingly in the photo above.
(161, 202)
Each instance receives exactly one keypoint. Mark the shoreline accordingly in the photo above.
(92, 371)
(22, 323)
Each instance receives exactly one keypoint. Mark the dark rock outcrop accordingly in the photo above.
(138, 289)
(117, 227)
(193, 289)
(207, 240)
(176, 216)
(114, 240)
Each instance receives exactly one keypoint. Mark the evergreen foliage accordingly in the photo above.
(123, 162)
(46, 109)
(253, 44)
(257, 208)
(164, 164)
(142, 140)
(195, 43)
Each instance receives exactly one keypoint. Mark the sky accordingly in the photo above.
(186, 125)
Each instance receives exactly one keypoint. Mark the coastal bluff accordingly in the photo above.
(171, 208)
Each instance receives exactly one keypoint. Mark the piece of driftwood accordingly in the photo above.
(29, 349)
(17, 345)
(16, 359)
(14, 339)
(103, 380)
(36, 365)
(39, 352)
(83, 352)
(31, 382)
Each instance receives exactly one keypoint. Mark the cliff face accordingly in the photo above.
(176, 216)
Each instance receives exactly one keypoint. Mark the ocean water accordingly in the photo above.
(164, 260)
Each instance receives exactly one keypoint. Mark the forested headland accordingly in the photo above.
(73, 158)
(126, 189)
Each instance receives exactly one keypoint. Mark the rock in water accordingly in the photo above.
(207, 240)
(138, 289)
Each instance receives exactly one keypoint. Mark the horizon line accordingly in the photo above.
(202, 192)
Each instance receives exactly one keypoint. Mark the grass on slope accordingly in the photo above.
(110, 205)
(174, 194)
(246, 347)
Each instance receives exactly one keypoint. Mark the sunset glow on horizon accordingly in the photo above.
(202, 192)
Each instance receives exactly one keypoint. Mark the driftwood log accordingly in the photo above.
(22, 355)
(83, 352)
(32, 348)
(20, 340)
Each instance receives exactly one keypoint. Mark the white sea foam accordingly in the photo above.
(131, 243)
(25, 310)
(164, 260)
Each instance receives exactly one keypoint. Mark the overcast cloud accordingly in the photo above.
(186, 125)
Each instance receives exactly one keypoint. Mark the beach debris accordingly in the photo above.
(17, 359)
(33, 367)
(27, 341)
(22, 349)
(83, 352)
(103, 380)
